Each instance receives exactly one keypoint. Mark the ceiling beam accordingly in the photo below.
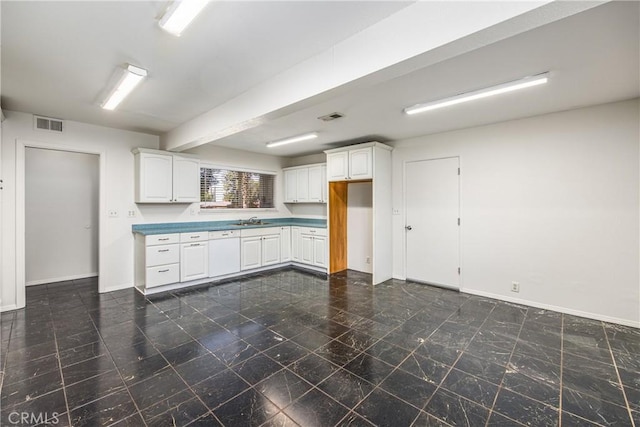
(419, 35)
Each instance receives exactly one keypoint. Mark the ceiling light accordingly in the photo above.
(130, 78)
(180, 14)
(300, 138)
(479, 94)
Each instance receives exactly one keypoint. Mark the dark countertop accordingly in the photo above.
(188, 227)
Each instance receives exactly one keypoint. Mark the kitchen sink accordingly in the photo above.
(245, 224)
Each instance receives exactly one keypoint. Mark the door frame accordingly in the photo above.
(404, 234)
(21, 146)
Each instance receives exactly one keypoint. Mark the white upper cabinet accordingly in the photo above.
(305, 184)
(186, 179)
(163, 177)
(350, 164)
(338, 166)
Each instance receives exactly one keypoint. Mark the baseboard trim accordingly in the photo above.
(565, 310)
(60, 279)
(8, 308)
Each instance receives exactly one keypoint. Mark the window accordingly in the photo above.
(233, 189)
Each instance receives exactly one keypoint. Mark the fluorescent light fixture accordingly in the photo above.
(299, 138)
(180, 14)
(131, 76)
(479, 94)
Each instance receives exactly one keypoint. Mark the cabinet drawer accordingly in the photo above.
(163, 275)
(313, 231)
(161, 239)
(254, 232)
(162, 254)
(201, 236)
(223, 234)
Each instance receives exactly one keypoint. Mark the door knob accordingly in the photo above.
(408, 227)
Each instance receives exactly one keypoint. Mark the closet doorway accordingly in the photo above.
(61, 211)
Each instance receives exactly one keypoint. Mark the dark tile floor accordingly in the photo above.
(290, 348)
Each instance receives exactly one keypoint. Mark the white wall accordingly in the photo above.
(360, 226)
(551, 202)
(116, 246)
(61, 243)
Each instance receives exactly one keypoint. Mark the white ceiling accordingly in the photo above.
(57, 57)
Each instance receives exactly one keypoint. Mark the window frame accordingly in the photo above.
(207, 211)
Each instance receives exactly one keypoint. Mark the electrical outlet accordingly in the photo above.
(396, 211)
(515, 287)
(131, 214)
(113, 214)
(368, 260)
(193, 211)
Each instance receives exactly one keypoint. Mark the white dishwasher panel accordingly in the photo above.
(224, 256)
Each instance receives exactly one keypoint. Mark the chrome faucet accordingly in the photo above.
(253, 220)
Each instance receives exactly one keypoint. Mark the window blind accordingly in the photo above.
(233, 189)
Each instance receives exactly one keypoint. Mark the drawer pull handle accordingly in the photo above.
(164, 238)
(195, 237)
(163, 271)
(225, 234)
(163, 250)
(195, 244)
(312, 231)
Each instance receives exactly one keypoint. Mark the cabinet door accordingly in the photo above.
(194, 261)
(295, 244)
(271, 250)
(338, 166)
(302, 187)
(306, 249)
(324, 183)
(285, 244)
(251, 252)
(360, 163)
(186, 179)
(320, 251)
(154, 178)
(290, 185)
(316, 182)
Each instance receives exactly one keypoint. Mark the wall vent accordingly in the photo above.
(331, 116)
(47, 123)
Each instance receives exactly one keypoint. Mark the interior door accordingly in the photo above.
(432, 221)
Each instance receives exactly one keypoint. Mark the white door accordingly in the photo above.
(338, 166)
(360, 163)
(186, 179)
(302, 185)
(271, 249)
(285, 244)
(320, 251)
(251, 252)
(306, 249)
(432, 215)
(194, 261)
(290, 185)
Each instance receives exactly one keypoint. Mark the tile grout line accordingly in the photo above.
(615, 365)
(500, 386)
(55, 339)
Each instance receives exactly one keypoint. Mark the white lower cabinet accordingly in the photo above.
(157, 260)
(167, 259)
(285, 244)
(194, 256)
(259, 247)
(309, 246)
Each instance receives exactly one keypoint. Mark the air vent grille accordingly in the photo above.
(330, 117)
(47, 123)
